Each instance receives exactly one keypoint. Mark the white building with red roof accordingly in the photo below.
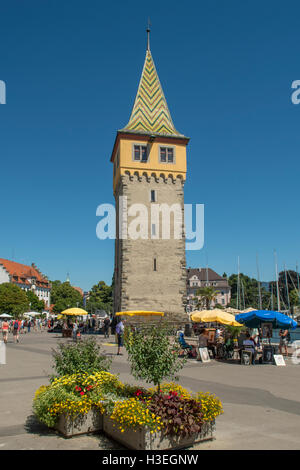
(26, 277)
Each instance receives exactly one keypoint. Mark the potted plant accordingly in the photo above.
(169, 418)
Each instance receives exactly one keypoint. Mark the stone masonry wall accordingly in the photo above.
(137, 285)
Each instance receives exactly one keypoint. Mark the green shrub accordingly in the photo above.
(84, 356)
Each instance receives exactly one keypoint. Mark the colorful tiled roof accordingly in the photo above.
(150, 113)
(20, 273)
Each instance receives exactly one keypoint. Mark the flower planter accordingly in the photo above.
(141, 439)
(83, 424)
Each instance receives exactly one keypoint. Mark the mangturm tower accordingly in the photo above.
(149, 170)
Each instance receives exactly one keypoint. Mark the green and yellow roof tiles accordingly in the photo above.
(150, 113)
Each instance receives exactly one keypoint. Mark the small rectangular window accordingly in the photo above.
(140, 153)
(137, 152)
(163, 157)
(153, 195)
(154, 265)
(166, 155)
(153, 231)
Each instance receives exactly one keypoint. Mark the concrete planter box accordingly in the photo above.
(82, 424)
(141, 439)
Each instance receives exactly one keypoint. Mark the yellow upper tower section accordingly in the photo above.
(149, 144)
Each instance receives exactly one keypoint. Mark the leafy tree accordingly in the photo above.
(13, 300)
(153, 353)
(64, 296)
(292, 283)
(249, 292)
(100, 298)
(207, 295)
(36, 305)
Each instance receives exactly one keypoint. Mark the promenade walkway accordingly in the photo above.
(261, 403)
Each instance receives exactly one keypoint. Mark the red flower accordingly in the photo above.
(81, 393)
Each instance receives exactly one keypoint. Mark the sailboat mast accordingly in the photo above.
(243, 292)
(238, 287)
(287, 289)
(259, 286)
(277, 285)
(272, 302)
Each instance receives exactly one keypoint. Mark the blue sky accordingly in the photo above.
(72, 71)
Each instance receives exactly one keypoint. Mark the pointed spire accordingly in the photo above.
(150, 113)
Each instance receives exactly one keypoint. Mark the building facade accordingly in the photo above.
(206, 277)
(26, 277)
(149, 171)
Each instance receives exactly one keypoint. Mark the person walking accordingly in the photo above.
(75, 328)
(106, 327)
(283, 335)
(5, 327)
(120, 333)
(28, 325)
(16, 330)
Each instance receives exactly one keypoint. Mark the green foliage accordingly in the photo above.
(251, 293)
(179, 417)
(221, 307)
(153, 353)
(64, 296)
(46, 399)
(207, 295)
(294, 297)
(100, 298)
(83, 357)
(13, 300)
(37, 305)
(235, 331)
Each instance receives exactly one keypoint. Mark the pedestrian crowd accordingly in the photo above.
(17, 327)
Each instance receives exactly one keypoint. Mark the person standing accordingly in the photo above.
(16, 329)
(120, 333)
(5, 327)
(283, 335)
(75, 328)
(106, 327)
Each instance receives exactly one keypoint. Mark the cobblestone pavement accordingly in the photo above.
(261, 403)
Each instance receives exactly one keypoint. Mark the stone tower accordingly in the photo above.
(149, 168)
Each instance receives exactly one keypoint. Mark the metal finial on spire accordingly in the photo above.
(148, 35)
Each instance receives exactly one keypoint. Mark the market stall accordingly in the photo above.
(70, 314)
(210, 337)
(266, 321)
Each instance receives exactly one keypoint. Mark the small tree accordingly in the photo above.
(207, 295)
(153, 353)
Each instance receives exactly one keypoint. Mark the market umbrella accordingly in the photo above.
(255, 318)
(214, 316)
(234, 311)
(140, 313)
(5, 315)
(33, 314)
(74, 311)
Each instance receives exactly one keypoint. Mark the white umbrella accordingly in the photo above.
(33, 314)
(5, 315)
